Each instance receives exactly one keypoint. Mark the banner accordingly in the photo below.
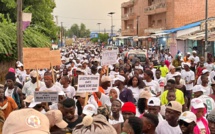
(40, 96)
(36, 57)
(55, 57)
(109, 57)
(88, 83)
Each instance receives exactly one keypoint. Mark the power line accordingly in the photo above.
(84, 18)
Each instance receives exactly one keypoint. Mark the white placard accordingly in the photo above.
(88, 83)
(44, 96)
(109, 57)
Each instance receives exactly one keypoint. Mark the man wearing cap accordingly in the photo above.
(199, 93)
(195, 57)
(30, 86)
(154, 107)
(211, 121)
(189, 78)
(170, 125)
(187, 57)
(204, 72)
(187, 122)
(26, 121)
(126, 95)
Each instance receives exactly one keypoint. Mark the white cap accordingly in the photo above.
(198, 88)
(186, 63)
(197, 103)
(188, 117)
(139, 68)
(33, 74)
(154, 101)
(205, 71)
(105, 79)
(188, 53)
(120, 78)
(61, 93)
(89, 110)
(33, 104)
(63, 58)
(194, 51)
(177, 74)
(19, 64)
(85, 61)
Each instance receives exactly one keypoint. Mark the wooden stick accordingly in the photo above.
(86, 98)
(52, 73)
(107, 70)
(37, 77)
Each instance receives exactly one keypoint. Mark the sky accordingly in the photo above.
(89, 12)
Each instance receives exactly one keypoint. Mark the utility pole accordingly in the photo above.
(111, 14)
(56, 19)
(206, 28)
(19, 31)
(137, 24)
(99, 26)
(61, 34)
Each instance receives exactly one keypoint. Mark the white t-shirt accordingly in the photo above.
(162, 83)
(29, 87)
(136, 92)
(207, 89)
(209, 67)
(188, 76)
(121, 120)
(69, 91)
(199, 81)
(164, 128)
(212, 74)
(105, 99)
(54, 88)
(169, 58)
(155, 87)
(208, 101)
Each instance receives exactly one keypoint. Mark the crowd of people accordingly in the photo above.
(175, 96)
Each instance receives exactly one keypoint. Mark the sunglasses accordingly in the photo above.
(181, 122)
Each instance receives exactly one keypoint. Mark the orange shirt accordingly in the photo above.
(10, 107)
(185, 59)
(96, 98)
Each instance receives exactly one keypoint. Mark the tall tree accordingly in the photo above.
(79, 31)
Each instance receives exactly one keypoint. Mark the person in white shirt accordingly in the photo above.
(205, 85)
(160, 80)
(149, 82)
(30, 86)
(154, 107)
(195, 57)
(189, 78)
(204, 72)
(208, 101)
(116, 116)
(170, 125)
(171, 73)
(67, 89)
(49, 85)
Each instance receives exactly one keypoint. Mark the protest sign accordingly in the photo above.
(55, 57)
(44, 96)
(109, 57)
(88, 83)
(36, 58)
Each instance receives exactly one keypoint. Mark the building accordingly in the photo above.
(143, 17)
(147, 19)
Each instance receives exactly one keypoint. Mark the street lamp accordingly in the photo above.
(99, 26)
(111, 14)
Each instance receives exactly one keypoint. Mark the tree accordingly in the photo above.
(41, 14)
(101, 38)
(80, 32)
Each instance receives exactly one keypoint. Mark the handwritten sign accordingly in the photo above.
(109, 57)
(36, 57)
(55, 57)
(88, 83)
(40, 96)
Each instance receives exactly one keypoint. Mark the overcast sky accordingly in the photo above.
(89, 12)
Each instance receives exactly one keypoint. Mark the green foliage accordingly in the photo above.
(79, 31)
(101, 37)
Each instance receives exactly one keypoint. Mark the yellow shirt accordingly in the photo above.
(178, 94)
(164, 71)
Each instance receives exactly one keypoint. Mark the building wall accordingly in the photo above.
(189, 11)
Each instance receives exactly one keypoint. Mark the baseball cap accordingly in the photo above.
(188, 53)
(177, 74)
(198, 88)
(105, 79)
(81, 94)
(186, 63)
(120, 78)
(89, 110)
(33, 74)
(29, 99)
(19, 64)
(128, 107)
(205, 71)
(33, 103)
(11, 70)
(194, 51)
(61, 93)
(56, 118)
(145, 93)
(197, 103)
(174, 105)
(188, 117)
(154, 101)
(26, 121)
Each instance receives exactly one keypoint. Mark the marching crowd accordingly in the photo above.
(175, 96)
